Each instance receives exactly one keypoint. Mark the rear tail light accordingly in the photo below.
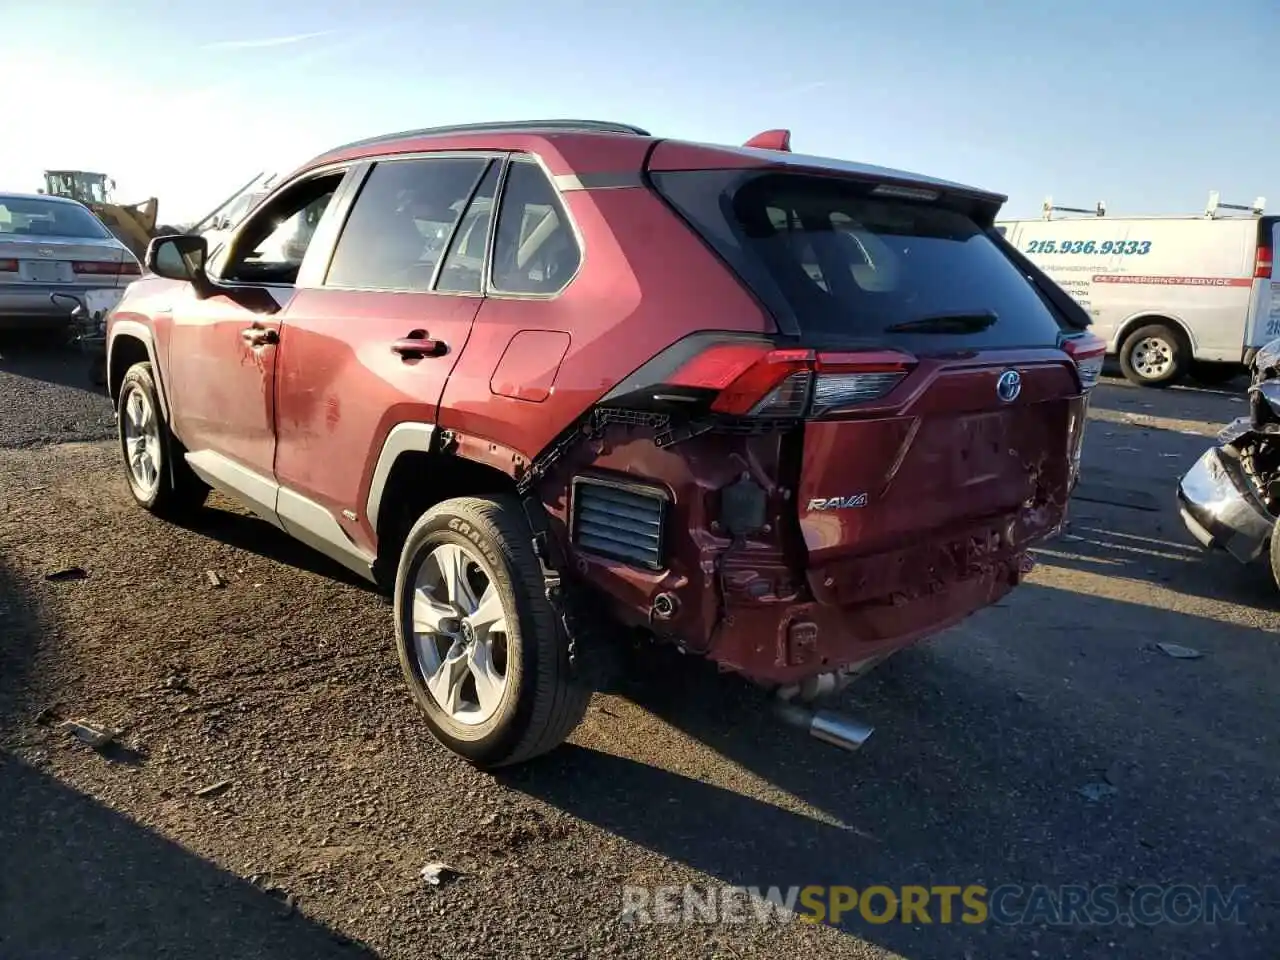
(756, 380)
(1263, 262)
(1088, 352)
(107, 268)
(8, 266)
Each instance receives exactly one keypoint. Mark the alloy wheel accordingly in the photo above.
(460, 634)
(141, 429)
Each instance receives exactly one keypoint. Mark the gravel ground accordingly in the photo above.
(41, 400)
(280, 688)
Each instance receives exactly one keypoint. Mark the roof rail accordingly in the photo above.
(1215, 204)
(504, 126)
(1049, 209)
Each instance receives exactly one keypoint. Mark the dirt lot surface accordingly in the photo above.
(1044, 741)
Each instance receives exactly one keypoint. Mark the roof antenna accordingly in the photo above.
(771, 140)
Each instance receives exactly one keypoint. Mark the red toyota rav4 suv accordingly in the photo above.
(787, 413)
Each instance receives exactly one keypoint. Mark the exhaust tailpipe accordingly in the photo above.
(828, 726)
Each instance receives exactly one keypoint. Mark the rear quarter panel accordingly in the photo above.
(645, 282)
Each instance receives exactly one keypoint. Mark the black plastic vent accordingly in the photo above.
(619, 520)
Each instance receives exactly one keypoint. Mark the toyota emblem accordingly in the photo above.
(1009, 386)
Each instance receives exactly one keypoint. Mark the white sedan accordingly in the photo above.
(53, 245)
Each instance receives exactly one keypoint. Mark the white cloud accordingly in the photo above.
(261, 42)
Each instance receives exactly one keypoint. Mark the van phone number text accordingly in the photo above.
(1124, 247)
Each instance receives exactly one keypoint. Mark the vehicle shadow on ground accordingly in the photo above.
(973, 777)
(1091, 547)
(46, 359)
(78, 880)
(227, 523)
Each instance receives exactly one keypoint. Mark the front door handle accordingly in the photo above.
(418, 345)
(259, 336)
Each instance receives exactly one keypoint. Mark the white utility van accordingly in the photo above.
(1165, 291)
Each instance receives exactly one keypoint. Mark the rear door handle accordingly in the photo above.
(418, 345)
(259, 336)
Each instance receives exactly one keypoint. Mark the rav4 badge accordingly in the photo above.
(838, 503)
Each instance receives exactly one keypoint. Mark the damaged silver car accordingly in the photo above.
(1230, 498)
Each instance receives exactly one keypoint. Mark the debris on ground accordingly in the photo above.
(215, 581)
(1178, 651)
(438, 873)
(214, 789)
(1094, 792)
(67, 573)
(96, 737)
(47, 716)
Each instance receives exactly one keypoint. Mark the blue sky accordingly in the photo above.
(1147, 104)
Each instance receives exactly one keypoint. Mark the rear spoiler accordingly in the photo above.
(1074, 315)
(771, 140)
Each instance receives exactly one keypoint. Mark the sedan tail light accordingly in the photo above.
(107, 268)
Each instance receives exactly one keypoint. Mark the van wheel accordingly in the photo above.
(478, 642)
(1155, 355)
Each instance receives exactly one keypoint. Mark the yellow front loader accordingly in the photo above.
(133, 224)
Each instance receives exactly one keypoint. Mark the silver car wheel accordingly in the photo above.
(460, 634)
(141, 428)
(1153, 357)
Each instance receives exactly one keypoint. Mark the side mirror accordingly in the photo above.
(180, 257)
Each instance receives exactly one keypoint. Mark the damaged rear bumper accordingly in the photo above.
(787, 643)
(1218, 509)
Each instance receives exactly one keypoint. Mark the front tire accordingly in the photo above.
(478, 641)
(159, 479)
(1155, 355)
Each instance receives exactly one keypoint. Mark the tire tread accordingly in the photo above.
(559, 699)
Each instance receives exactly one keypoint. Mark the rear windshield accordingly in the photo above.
(24, 216)
(839, 264)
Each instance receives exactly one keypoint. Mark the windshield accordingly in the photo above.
(25, 216)
(845, 264)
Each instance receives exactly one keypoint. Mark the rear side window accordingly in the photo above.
(29, 217)
(535, 251)
(401, 222)
(843, 265)
(463, 270)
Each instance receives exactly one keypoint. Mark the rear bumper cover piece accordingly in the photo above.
(786, 643)
(1219, 511)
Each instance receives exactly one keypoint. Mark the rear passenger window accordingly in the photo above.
(401, 223)
(463, 270)
(535, 251)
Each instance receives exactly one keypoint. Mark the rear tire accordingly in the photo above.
(1155, 355)
(479, 644)
(1275, 553)
(155, 467)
